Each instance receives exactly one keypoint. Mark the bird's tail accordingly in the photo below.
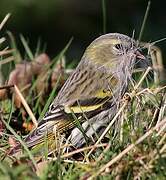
(38, 136)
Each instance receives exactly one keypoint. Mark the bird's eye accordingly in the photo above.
(118, 46)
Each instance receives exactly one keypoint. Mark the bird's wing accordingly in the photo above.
(74, 97)
(83, 92)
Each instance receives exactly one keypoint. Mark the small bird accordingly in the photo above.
(91, 94)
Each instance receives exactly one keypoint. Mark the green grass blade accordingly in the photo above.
(13, 44)
(144, 21)
(104, 16)
(50, 99)
(26, 47)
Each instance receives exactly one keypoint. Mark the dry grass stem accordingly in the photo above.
(7, 60)
(67, 155)
(26, 106)
(4, 21)
(154, 117)
(75, 162)
(6, 51)
(162, 139)
(142, 78)
(2, 40)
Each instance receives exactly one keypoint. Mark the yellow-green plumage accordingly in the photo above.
(93, 90)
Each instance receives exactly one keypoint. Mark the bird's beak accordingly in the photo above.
(139, 55)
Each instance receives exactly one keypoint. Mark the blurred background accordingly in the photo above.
(54, 22)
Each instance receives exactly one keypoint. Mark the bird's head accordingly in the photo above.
(111, 50)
